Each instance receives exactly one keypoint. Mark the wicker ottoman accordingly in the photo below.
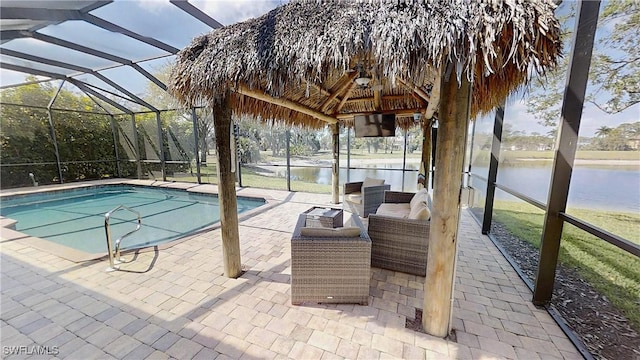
(330, 269)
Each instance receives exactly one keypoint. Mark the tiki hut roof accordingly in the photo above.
(298, 62)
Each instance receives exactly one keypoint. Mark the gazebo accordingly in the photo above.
(318, 63)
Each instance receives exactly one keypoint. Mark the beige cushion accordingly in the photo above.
(420, 212)
(372, 182)
(418, 197)
(355, 197)
(349, 231)
(394, 210)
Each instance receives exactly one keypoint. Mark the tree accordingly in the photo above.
(85, 140)
(603, 131)
(614, 77)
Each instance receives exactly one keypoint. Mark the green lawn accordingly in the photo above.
(252, 179)
(266, 156)
(612, 271)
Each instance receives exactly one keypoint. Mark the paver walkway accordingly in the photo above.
(175, 303)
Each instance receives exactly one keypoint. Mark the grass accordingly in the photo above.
(266, 156)
(250, 178)
(612, 271)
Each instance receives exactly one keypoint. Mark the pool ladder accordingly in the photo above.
(114, 255)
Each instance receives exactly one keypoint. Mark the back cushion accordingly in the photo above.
(420, 196)
(372, 182)
(420, 212)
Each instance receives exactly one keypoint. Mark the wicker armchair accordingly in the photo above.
(330, 269)
(363, 201)
(396, 243)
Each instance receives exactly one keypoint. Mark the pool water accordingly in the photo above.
(75, 218)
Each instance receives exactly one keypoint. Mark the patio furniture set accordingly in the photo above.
(332, 253)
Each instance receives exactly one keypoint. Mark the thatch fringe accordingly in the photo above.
(293, 48)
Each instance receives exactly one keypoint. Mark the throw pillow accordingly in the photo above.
(420, 212)
(342, 232)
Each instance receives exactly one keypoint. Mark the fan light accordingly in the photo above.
(363, 81)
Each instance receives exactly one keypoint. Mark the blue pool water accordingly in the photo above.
(75, 218)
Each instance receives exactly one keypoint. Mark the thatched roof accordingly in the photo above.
(305, 53)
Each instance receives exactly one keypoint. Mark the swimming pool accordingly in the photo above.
(75, 218)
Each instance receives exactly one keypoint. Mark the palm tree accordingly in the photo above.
(603, 131)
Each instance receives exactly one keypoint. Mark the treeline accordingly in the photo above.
(624, 137)
(86, 144)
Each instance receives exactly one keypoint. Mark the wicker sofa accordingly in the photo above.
(364, 197)
(399, 242)
(330, 265)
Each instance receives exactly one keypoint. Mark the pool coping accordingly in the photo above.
(9, 233)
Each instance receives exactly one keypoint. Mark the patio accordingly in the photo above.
(175, 302)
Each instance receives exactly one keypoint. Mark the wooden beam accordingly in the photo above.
(335, 173)
(227, 189)
(345, 98)
(387, 97)
(434, 98)
(244, 90)
(320, 89)
(345, 82)
(426, 151)
(401, 112)
(416, 89)
(443, 234)
(377, 104)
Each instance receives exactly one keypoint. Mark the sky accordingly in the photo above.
(164, 21)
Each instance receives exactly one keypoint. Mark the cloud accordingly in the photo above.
(229, 12)
(153, 6)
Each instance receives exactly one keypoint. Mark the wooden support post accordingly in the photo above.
(441, 259)
(567, 143)
(426, 152)
(335, 176)
(227, 189)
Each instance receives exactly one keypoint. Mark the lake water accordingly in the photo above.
(605, 187)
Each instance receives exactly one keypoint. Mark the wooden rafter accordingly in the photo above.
(345, 81)
(434, 99)
(415, 89)
(345, 98)
(320, 89)
(244, 90)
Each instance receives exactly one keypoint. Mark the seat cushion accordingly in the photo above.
(355, 197)
(401, 210)
(348, 231)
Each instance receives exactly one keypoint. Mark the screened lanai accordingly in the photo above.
(147, 134)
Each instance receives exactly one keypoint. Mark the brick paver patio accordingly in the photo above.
(175, 303)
